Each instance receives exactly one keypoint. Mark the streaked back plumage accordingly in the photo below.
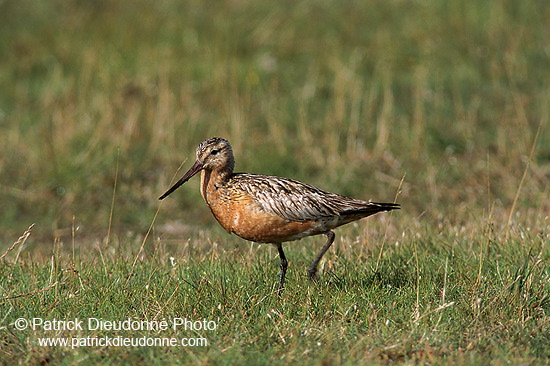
(297, 201)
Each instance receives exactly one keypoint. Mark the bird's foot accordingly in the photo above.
(312, 274)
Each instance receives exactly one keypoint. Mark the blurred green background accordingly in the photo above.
(347, 95)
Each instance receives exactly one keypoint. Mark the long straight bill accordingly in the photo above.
(197, 167)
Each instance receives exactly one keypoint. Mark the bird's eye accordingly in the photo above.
(214, 152)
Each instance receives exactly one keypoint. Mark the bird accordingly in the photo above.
(270, 209)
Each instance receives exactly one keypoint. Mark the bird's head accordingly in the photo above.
(212, 154)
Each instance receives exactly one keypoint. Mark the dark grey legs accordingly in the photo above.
(312, 270)
(284, 266)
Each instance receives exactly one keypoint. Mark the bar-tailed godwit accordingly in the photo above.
(268, 209)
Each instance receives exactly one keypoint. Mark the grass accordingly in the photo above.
(444, 105)
(440, 298)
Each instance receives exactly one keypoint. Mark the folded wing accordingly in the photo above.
(297, 201)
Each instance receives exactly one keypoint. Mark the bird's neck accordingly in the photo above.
(213, 179)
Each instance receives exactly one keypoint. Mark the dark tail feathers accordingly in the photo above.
(374, 207)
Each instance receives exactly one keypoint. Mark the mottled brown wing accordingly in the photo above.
(297, 201)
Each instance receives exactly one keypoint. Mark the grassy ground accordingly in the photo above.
(444, 105)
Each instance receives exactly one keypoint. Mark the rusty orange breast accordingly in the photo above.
(238, 213)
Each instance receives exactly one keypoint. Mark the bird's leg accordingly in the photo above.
(312, 270)
(284, 266)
